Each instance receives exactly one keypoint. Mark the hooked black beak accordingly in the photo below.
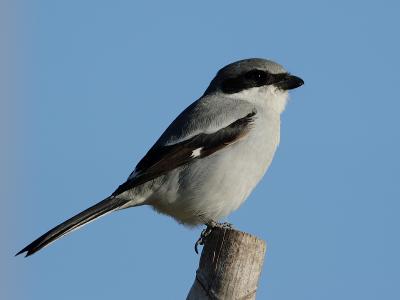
(289, 82)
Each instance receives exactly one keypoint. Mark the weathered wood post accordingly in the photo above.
(230, 266)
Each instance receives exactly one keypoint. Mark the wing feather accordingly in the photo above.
(162, 159)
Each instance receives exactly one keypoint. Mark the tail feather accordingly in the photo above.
(100, 209)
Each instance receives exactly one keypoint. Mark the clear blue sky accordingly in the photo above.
(92, 84)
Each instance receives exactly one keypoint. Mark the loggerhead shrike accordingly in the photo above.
(210, 158)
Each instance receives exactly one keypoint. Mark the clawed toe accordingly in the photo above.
(207, 231)
(204, 233)
(224, 225)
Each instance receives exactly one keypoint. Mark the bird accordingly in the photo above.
(210, 158)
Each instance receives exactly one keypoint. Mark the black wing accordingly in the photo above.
(161, 159)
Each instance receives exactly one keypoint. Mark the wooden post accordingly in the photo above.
(230, 265)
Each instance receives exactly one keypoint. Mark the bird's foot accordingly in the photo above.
(207, 231)
(203, 235)
(224, 225)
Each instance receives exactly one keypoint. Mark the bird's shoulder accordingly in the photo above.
(204, 116)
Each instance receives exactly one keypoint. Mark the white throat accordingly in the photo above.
(267, 97)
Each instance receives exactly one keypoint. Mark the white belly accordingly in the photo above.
(212, 187)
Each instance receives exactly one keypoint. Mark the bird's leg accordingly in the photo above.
(204, 233)
(207, 231)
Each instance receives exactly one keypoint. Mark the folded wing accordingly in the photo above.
(161, 159)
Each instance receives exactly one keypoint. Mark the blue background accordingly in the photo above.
(94, 83)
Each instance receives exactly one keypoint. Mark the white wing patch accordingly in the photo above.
(196, 152)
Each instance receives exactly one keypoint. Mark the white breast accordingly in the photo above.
(213, 187)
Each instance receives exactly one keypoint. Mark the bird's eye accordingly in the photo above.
(253, 78)
(257, 76)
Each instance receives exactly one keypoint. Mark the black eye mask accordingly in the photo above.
(253, 78)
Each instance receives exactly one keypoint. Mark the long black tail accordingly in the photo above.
(107, 205)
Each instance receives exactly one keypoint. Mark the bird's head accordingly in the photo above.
(257, 80)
